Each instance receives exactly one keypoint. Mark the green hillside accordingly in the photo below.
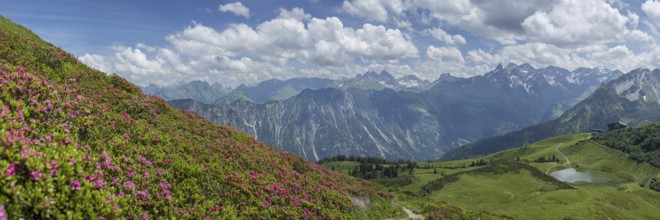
(79, 144)
(642, 144)
(516, 183)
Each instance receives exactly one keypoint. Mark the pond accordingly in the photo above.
(571, 175)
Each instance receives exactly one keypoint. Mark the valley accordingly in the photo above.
(512, 184)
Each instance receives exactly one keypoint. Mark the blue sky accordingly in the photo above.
(244, 42)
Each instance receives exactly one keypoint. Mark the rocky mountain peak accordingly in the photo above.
(511, 66)
(447, 77)
(385, 74)
(526, 66)
(639, 84)
(410, 81)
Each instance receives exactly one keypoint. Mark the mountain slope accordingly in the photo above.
(642, 144)
(535, 93)
(79, 144)
(398, 124)
(197, 90)
(275, 89)
(378, 81)
(320, 123)
(631, 98)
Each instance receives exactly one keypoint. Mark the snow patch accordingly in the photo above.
(316, 156)
(380, 148)
(409, 83)
(573, 79)
(623, 86)
(550, 80)
(254, 129)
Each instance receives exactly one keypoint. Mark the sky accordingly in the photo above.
(244, 42)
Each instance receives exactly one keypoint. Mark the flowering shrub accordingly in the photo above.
(76, 143)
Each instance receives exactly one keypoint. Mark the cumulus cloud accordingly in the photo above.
(295, 13)
(479, 61)
(288, 38)
(442, 60)
(565, 33)
(443, 36)
(541, 54)
(96, 61)
(574, 22)
(444, 54)
(560, 22)
(497, 20)
(652, 10)
(241, 53)
(235, 7)
(374, 10)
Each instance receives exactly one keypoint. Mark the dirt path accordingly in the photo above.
(549, 168)
(410, 213)
(565, 157)
(510, 194)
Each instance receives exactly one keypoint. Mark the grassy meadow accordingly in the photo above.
(514, 184)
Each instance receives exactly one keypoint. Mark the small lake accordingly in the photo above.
(571, 175)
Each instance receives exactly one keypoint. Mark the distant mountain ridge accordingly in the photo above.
(407, 124)
(384, 78)
(632, 98)
(198, 90)
(275, 89)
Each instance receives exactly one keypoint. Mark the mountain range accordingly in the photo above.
(198, 90)
(275, 89)
(632, 98)
(374, 115)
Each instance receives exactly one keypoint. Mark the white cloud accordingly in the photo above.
(559, 22)
(577, 22)
(241, 53)
(235, 7)
(542, 54)
(443, 60)
(96, 61)
(637, 35)
(617, 3)
(374, 10)
(377, 41)
(652, 10)
(291, 38)
(199, 39)
(443, 36)
(450, 54)
(497, 20)
(564, 33)
(294, 13)
(633, 19)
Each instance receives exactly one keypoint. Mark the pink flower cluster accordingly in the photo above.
(11, 169)
(75, 185)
